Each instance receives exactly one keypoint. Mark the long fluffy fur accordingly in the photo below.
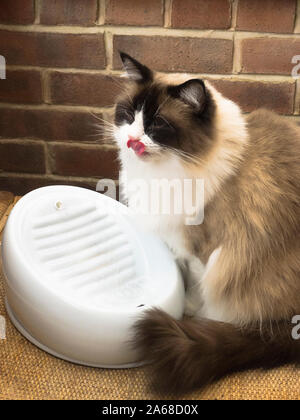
(190, 353)
(249, 239)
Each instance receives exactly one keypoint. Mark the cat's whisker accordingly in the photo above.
(161, 105)
(186, 155)
(102, 120)
(101, 136)
(103, 130)
(190, 156)
(166, 121)
(103, 126)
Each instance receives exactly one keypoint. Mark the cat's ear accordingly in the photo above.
(134, 70)
(192, 92)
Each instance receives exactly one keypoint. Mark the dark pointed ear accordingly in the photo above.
(135, 70)
(192, 92)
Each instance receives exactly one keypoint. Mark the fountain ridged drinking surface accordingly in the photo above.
(79, 272)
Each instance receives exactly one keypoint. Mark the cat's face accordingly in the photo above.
(154, 118)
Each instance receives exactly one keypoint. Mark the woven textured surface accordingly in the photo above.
(6, 200)
(29, 373)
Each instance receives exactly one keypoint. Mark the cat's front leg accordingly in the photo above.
(192, 276)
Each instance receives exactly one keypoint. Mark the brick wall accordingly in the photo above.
(61, 54)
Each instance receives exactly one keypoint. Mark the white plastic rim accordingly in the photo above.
(79, 272)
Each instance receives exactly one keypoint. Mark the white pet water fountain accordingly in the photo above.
(79, 273)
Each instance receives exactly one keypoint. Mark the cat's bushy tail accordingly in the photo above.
(190, 353)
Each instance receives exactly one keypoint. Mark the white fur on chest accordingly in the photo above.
(134, 172)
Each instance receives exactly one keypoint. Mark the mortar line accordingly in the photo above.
(101, 12)
(50, 176)
(297, 17)
(115, 73)
(144, 30)
(234, 9)
(37, 12)
(167, 17)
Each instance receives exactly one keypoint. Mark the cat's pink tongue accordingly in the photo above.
(137, 146)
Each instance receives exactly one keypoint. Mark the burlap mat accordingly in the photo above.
(6, 200)
(29, 373)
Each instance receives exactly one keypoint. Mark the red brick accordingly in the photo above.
(132, 12)
(201, 14)
(89, 161)
(53, 49)
(84, 89)
(266, 16)
(201, 55)
(21, 86)
(68, 12)
(47, 124)
(22, 157)
(22, 184)
(17, 11)
(268, 55)
(251, 95)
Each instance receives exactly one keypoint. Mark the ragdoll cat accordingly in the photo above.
(242, 264)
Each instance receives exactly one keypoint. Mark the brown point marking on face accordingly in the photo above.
(171, 119)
